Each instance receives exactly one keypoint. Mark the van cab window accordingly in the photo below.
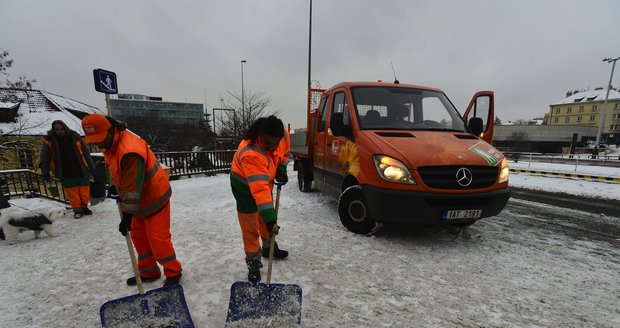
(394, 108)
(481, 110)
(340, 122)
(322, 115)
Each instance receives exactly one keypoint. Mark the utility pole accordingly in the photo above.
(242, 97)
(602, 119)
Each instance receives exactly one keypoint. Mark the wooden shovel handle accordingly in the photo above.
(132, 255)
(272, 245)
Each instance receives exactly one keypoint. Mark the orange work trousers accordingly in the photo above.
(79, 196)
(253, 228)
(153, 241)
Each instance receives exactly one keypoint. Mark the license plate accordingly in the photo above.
(462, 214)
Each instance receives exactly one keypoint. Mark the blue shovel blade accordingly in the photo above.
(255, 301)
(161, 307)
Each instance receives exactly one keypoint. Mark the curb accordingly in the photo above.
(609, 207)
(573, 176)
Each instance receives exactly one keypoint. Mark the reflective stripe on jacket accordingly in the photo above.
(149, 188)
(253, 170)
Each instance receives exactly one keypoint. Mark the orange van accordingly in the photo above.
(392, 152)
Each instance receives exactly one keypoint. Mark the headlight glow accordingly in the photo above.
(503, 172)
(393, 170)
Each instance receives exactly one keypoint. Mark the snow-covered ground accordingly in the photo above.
(499, 274)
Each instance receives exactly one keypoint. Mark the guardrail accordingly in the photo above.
(572, 159)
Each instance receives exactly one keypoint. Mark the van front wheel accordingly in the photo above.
(353, 211)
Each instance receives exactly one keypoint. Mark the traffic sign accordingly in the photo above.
(105, 81)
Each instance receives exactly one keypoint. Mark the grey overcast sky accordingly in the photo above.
(530, 52)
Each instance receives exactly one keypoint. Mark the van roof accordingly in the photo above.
(382, 84)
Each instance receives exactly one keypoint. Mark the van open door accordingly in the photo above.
(480, 115)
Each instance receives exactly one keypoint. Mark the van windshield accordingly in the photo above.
(393, 108)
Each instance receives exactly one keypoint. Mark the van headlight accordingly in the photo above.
(503, 171)
(393, 170)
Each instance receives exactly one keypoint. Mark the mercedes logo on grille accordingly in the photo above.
(464, 177)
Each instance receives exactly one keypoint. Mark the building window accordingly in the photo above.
(556, 120)
(615, 117)
(557, 110)
(594, 108)
(614, 127)
(617, 106)
(579, 118)
(569, 109)
(581, 109)
(25, 158)
(567, 119)
(592, 117)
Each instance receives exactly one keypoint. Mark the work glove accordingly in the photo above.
(273, 229)
(125, 224)
(281, 177)
(46, 178)
(112, 192)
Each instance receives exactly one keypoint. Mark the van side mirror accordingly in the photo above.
(476, 125)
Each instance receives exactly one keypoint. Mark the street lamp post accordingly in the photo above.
(242, 97)
(602, 119)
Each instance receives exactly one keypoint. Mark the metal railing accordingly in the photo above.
(26, 183)
(188, 163)
(571, 159)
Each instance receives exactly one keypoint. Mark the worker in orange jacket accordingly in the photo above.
(262, 156)
(144, 192)
(64, 152)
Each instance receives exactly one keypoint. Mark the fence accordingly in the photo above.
(26, 183)
(188, 163)
(571, 159)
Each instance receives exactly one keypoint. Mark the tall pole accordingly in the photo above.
(310, 47)
(242, 97)
(602, 119)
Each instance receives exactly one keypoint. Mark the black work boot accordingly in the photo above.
(278, 253)
(254, 266)
(86, 210)
(132, 281)
(173, 280)
(77, 213)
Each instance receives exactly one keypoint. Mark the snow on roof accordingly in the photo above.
(589, 95)
(6, 104)
(72, 104)
(38, 109)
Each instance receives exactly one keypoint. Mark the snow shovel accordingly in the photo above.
(161, 307)
(260, 302)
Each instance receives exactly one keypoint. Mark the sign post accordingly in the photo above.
(105, 82)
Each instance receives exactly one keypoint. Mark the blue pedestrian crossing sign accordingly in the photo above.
(105, 81)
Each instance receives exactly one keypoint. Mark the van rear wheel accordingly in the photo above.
(353, 211)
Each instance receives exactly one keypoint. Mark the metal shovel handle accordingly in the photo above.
(272, 244)
(132, 255)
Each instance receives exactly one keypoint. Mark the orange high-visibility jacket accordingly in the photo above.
(150, 185)
(50, 155)
(253, 170)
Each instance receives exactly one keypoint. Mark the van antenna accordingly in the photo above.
(393, 72)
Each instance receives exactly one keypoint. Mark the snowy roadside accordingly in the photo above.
(502, 273)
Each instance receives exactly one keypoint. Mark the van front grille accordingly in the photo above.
(445, 177)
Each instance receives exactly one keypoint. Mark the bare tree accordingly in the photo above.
(241, 117)
(14, 137)
(23, 82)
